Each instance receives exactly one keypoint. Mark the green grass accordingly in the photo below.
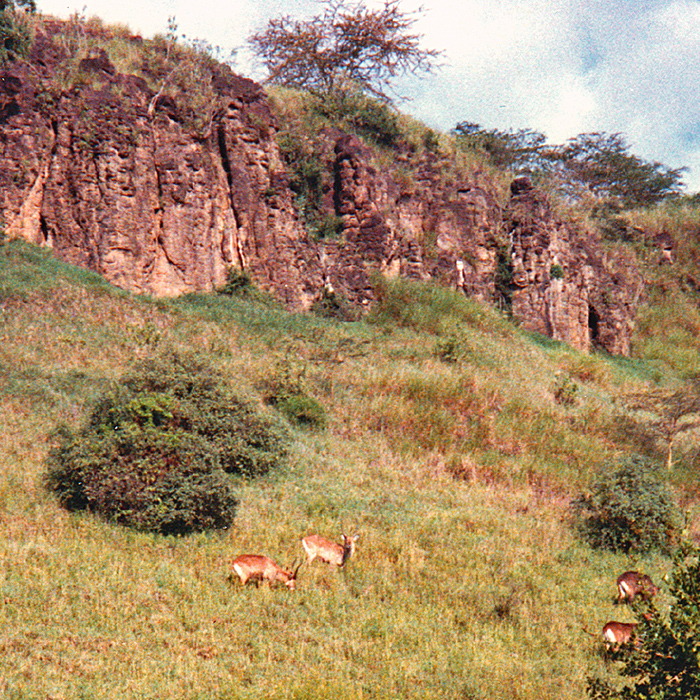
(467, 581)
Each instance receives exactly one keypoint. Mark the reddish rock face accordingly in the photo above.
(118, 182)
(138, 187)
(564, 285)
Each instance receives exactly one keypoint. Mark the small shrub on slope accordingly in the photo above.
(158, 451)
(630, 509)
(286, 391)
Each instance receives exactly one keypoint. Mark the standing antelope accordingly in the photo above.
(616, 634)
(259, 568)
(317, 547)
(632, 584)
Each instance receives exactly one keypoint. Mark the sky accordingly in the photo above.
(560, 67)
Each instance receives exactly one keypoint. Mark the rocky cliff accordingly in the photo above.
(132, 182)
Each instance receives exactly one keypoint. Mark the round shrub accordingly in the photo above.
(629, 510)
(158, 451)
(303, 410)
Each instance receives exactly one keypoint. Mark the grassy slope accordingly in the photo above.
(469, 587)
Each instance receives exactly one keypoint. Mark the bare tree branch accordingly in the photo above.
(347, 44)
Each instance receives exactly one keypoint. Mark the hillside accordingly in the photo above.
(459, 428)
(468, 580)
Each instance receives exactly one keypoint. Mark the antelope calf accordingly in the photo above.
(317, 547)
(617, 634)
(258, 568)
(632, 584)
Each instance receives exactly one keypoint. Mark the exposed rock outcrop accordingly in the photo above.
(117, 181)
(135, 185)
(564, 283)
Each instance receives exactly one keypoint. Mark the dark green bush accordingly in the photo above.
(302, 410)
(448, 349)
(565, 391)
(335, 306)
(556, 272)
(158, 450)
(629, 510)
(238, 283)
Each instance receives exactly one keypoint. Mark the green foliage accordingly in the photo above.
(629, 510)
(302, 410)
(448, 349)
(15, 35)
(158, 449)
(286, 390)
(556, 272)
(238, 283)
(667, 664)
(504, 279)
(363, 115)
(335, 306)
(565, 391)
(602, 164)
(596, 165)
(306, 180)
(519, 151)
(429, 307)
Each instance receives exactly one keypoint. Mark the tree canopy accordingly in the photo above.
(347, 44)
(601, 164)
(521, 150)
(596, 166)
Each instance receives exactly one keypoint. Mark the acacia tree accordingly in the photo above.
(347, 44)
(596, 166)
(521, 150)
(601, 165)
(668, 414)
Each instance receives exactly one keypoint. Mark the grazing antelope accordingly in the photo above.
(317, 547)
(617, 634)
(259, 568)
(632, 584)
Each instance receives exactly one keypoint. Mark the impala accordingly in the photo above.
(317, 547)
(617, 634)
(258, 568)
(632, 584)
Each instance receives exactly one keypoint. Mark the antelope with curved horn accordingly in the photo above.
(317, 547)
(617, 634)
(632, 584)
(255, 567)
